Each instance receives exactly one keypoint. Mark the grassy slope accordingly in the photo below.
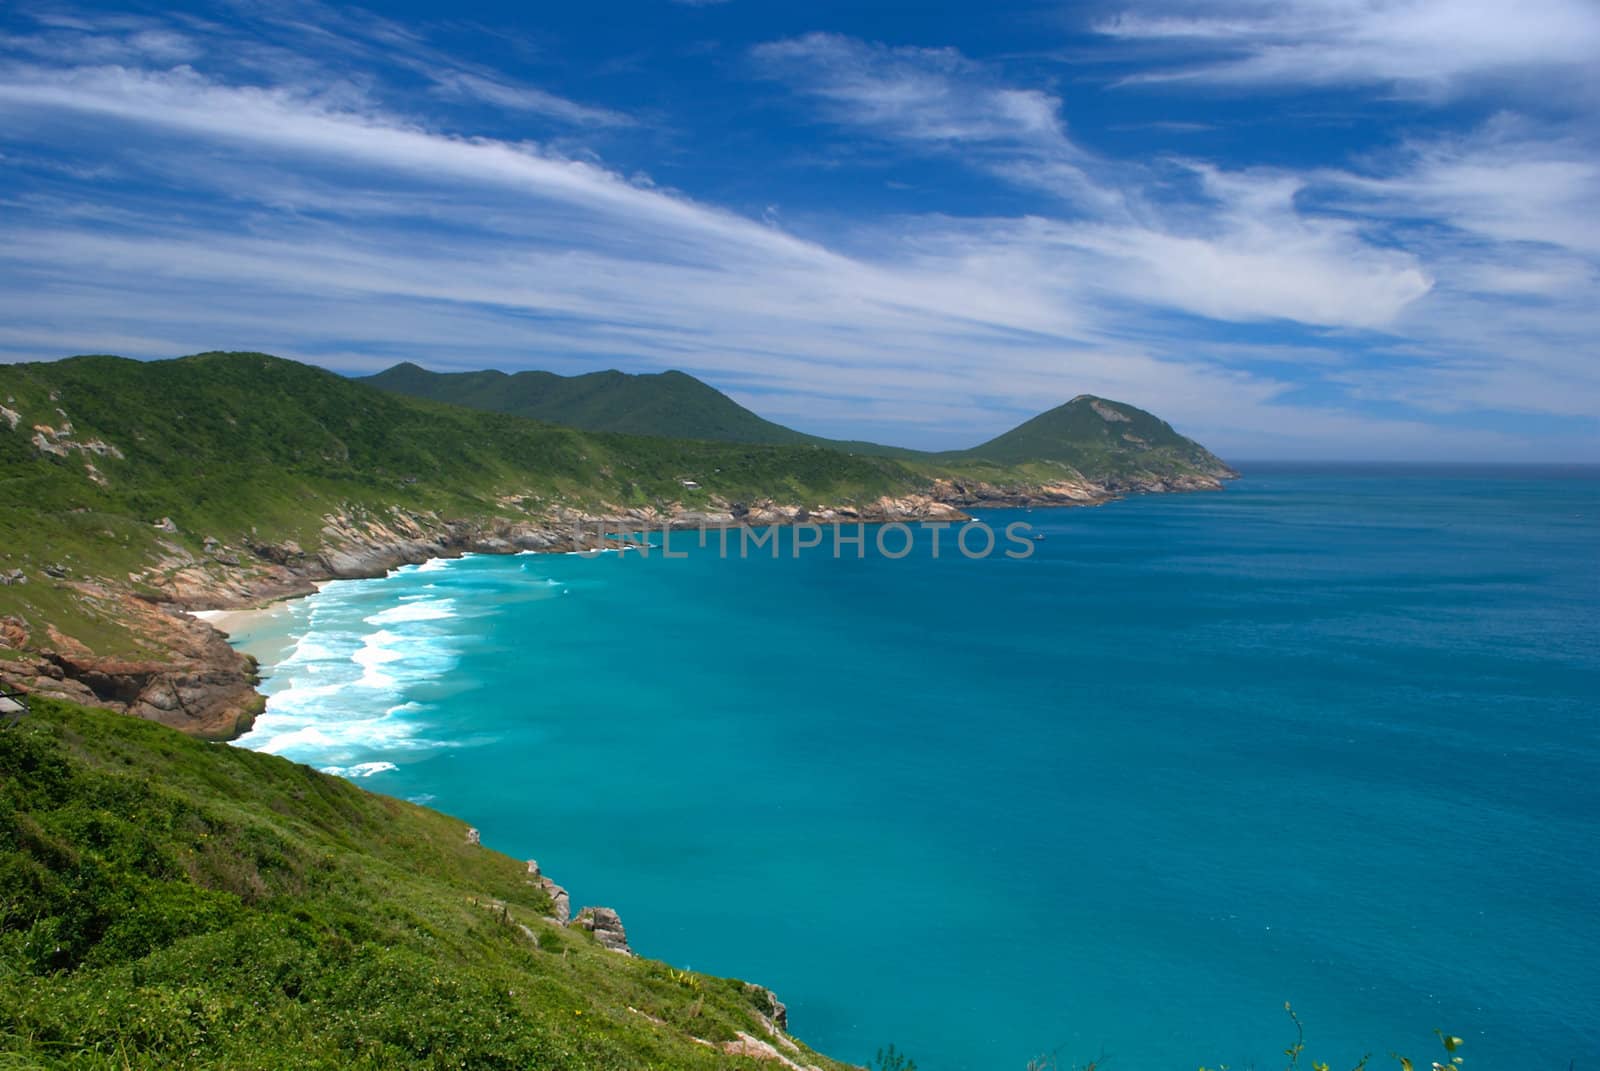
(670, 404)
(176, 904)
(1077, 434)
(232, 444)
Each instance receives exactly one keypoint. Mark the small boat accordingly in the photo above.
(1038, 537)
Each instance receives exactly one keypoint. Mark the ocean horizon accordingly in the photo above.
(1326, 737)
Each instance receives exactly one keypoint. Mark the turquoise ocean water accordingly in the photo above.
(1331, 736)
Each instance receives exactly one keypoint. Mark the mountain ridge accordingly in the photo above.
(688, 407)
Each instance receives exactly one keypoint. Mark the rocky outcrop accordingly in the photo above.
(200, 685)
(771, 1009)
(606, 927)
(560, 902)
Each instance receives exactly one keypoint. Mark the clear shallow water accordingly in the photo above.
(1330, 737)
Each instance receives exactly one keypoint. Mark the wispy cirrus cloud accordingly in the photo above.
(287, 192)
(934, 95)
(1431, 47)
(1237, 247)
(525, 99)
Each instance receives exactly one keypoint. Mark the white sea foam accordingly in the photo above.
(360, 769)
(418, 608)
(340, 698)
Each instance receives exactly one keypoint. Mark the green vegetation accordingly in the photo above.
(1094, 437)
(167, 903)
(248, 448)
(1099, 438)
(228, 441)
(668, 404)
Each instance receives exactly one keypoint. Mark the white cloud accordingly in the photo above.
(526, 99)
(1509, 182)
(1433, 47)
(925, 94)
(1244, 253)
(311, 217)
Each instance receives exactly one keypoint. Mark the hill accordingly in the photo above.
(667, 404)
(170, 903)
(1098, 437)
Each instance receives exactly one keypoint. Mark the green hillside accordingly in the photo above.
(668, 404)
(228, 440)
(246, 448)
(169, 903)
(675, 404)
(1098, 437)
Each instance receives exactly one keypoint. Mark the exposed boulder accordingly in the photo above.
(606, 927)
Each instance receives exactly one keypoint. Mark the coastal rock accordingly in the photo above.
(770, 1007)
(606, 927)
(560, 901)
(202, 686)
(286, 553)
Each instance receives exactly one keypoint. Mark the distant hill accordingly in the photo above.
(1098, 437)
(672, 405)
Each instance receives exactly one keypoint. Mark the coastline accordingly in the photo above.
(186, 605)
(241, 620)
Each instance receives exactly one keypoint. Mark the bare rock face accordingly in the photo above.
(606, 927)
(560, 902)
(201, 686)
(1108, 414)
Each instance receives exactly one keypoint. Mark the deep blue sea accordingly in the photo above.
(1331, 736)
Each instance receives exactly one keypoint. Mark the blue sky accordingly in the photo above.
(1305, 228)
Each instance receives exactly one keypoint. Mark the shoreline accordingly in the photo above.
(237, 620)
(206, 590)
